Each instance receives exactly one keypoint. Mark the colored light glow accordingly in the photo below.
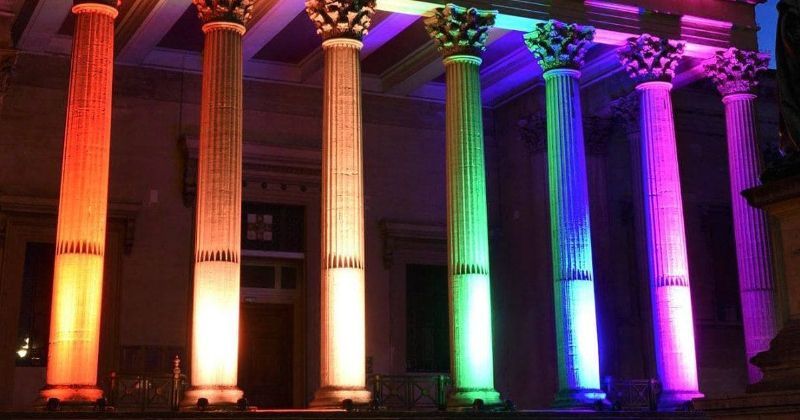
(576, 324)
(346, 326)
(215, 318)
(666, 244)
(471, 302)
(81, 230)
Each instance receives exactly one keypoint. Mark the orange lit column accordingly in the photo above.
(342, 24)
(215, 321)
(81, 233)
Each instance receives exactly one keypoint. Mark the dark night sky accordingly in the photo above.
(767, 18)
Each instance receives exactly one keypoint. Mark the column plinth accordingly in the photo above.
(82, 208)
(651, 62)
(215, 315)
(343, 346)
(559, 49)
(460, 34)
(735, 73)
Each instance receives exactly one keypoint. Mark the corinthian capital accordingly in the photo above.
(559, 45)
(341, 18)
(457, 30)
(235, 11)
(648, 58)
(736, 71)
(112, 3)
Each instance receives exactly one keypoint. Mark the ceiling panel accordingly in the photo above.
(394, 51)
(295, 42)
(186, 34)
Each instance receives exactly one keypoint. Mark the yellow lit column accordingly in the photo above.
(83, 201)
(342, 24)
(215, 318)
(460, 35)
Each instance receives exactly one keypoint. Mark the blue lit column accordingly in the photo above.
(559, 49)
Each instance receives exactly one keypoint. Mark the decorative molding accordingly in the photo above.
(341, 18)
(736, 71)
(625, 110)
(112, 3)
(458, 30)
(407, 235)
(533, 131)
(647, 58)
(273, 168)
(559, 45)
(598, 130)
(235, 11)
(122, 212)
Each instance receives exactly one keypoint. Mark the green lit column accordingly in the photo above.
(559, 48)
(460, 35)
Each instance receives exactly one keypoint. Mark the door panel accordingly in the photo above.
(265, 354)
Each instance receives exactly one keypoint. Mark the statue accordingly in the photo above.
(787, 54)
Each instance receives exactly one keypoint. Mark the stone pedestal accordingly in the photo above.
(461, 35)
(83, 202)
(559, 49)
(777, 395)
(215, 317)
(343, 323)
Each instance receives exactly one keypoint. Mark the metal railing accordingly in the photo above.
(409, 392)
(633, 394)
(158, 392)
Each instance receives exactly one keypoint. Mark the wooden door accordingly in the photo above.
(265, 354)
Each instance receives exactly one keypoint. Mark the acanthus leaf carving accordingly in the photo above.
(235, 11)
(736, 71)
(341, 18)
(559, 45)
(647, 58)
(458, 30)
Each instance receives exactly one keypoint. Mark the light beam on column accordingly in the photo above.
(559, 49)
(735, 73)
(215, 316)
(342, 24)
(83, 203)
(651, 63)
(460, 34)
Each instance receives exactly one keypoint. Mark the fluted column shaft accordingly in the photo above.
(215, 326)
(342, 367)
(83, 203)
(576, 326)
(756, 285)
(666, 243)
(468, 237)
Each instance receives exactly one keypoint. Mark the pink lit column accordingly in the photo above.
(735, 74)
(342, 24)
(651, 62)
(83, 201)
(215, 312)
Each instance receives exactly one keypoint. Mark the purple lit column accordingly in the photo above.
(559, 49)
(651, 62)
(735, 73)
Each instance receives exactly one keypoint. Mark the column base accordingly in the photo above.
(71, 397)
(461, 400)
(581, 398)
(677, 400)
(220, 397)
(332, 397)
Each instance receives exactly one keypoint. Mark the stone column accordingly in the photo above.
(735, 73)
(559, 49)
(460, 34)
(651, 63)
(215, 320)
(82, 207)
(342, 24)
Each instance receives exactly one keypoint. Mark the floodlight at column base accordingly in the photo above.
(462, 400)
(580, 398)
(219, 397)
(77, 396)
(676, 400)
(330, 397)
